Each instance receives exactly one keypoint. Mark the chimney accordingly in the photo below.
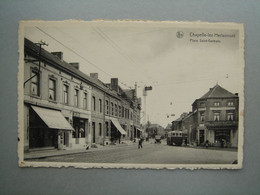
(135, 91)
(75, 65)
(94, 75)
(114, 84)
(58, 54)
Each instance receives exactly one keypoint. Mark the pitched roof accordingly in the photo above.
(33, 49)
(169, 126)
(218, 92)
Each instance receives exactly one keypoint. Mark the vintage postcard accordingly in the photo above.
(131, 94)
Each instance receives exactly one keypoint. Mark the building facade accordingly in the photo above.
(65, 108)
(214, 119)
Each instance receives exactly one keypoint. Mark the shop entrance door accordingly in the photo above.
(201, 136)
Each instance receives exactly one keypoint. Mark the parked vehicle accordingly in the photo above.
(157, 139)
(175, 138)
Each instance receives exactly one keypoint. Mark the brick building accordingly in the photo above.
(65, 108)
(214, 117)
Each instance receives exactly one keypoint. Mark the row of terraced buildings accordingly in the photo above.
(64, 108)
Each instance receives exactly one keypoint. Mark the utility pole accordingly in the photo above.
(41, 43)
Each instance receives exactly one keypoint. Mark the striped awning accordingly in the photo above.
(53, 118)
(118, 126)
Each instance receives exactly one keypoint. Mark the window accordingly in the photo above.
(82, 132)
(35, 84)
(230, 116)
(112, 108)
(107, 107)
(100, 129)
(65, 94)
(123, 111)
(115, 110)
(131, 116)
(202, 117)
(216, 116)
(76, 97)
(85, 101)
(119, 109)
(216, 103)
(93, 103)
(230, 103)
(100, 105)
(52, 89)
(107, 129)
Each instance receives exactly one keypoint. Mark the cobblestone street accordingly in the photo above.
(150, 154)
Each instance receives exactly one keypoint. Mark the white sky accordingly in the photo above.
(150, 54)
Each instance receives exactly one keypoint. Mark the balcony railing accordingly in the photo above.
(221, 123)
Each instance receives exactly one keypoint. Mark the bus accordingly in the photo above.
(175, 138)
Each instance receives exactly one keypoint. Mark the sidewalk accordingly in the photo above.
(68, 151)
(212, 148)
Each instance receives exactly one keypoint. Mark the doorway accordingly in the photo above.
(201, 136)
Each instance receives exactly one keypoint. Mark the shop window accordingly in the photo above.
(82, 132)
(76, 97)
(230, 116)
(216, 116)
(35, 84)
(65, 93)
(52, 89)
(85, 101)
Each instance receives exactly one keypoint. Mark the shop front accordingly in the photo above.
(222, 137)
(79, 136)
(118, 134)
(47, 129)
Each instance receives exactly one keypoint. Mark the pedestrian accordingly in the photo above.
(140, 143)
(207, 143)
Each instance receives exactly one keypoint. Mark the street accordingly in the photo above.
(151, 153)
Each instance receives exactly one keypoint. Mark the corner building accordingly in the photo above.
(65, 108)
(215, 117)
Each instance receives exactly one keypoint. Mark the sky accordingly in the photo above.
(180, 69)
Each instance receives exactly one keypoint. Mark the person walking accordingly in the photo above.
(140, 143)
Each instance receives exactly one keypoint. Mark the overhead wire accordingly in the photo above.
(91, 63)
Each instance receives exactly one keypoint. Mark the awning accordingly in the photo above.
(118, 126)
(139, 129)
(52, 118)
